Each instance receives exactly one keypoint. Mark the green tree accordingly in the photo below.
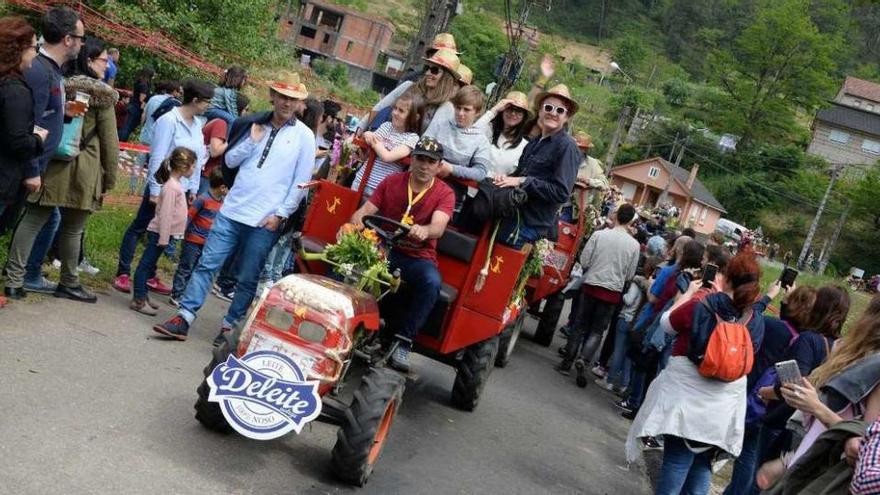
(480, 38)
(779, 63)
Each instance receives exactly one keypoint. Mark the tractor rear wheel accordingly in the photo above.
(473, 371)
(549, 319)
(507, 340)
(366, 425)
(209, 413)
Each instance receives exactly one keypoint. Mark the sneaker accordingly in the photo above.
(630, 415)
(599, 371)
(176, 328)
(603, 383)
(174, 301)
(156, 285)
(122, 283)
(580, 367)
(400, 358)
(44, 286)
(564, 367)
(142, 306)
(651, 443)
(88, 268)
(221, 337)
(624, 405)
(222, 294)
(75, 293)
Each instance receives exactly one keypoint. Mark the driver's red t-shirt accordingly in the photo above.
(391, 199)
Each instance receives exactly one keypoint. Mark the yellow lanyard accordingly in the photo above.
(407, 218)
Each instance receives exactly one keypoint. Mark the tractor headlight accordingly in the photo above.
(279, 319)
(311, 332)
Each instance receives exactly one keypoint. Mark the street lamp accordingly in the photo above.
(615, 67)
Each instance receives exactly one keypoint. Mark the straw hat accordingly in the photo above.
(444, 40)
(583, 140)
(465, 74)
(447, 59)
(519, 100)
(288, 84)
(560, 91)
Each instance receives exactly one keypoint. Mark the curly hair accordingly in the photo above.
(15, 35)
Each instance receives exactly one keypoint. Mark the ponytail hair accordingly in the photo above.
(179, 159)
(743, 275)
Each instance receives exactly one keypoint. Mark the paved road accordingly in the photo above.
(93, 404)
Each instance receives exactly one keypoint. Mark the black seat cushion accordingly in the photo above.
(457, 245)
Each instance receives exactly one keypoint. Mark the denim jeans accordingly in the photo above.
(742, 482)
(618, 371)
(636, 389)
(252, 244)
(683, 472)
(218, 113)
(594, 316)
(515, 234)
(133, 234)
(277, 260)
(417, 297)
(228, 274)
(189, 256)
(149, 258)
(34, 269)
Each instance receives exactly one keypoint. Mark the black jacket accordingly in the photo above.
(18, 143)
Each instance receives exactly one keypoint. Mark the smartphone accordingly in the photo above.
(788, 372)
(788, 276)
(709, 272)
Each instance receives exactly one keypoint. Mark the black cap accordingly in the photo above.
(430, 147)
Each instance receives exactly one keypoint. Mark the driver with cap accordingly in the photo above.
(424, 204)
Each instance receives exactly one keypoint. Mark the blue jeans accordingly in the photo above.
(683, 472)
(34, 268)
(618, 372)
(742, 482)
(516, 234)
(277, 260)
(252, 244)
(189, 256)
(636, 389)
(133, 234)
(418, 296)
(228, 274)
(218, 113)
(147, 265)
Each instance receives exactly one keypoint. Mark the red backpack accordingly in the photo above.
(729, 354)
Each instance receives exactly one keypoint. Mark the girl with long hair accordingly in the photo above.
(225, 105)
(505, 125)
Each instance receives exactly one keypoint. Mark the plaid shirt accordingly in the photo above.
(866, 478)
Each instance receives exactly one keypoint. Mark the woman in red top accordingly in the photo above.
(700, 417)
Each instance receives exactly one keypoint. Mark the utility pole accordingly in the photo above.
(835, 171)
(435, 21)
(823, 260)
(615, 141)
(512, 64)
(672, 151)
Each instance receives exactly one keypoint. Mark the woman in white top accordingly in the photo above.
(505, 126)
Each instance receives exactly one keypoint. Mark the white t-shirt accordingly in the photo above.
(390, 139)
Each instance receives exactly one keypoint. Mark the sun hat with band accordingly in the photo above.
(428, 147)
(288, 84)
(465, 74)
(444, 40)
(562, 92)
(583, 140)
(518, 99)
(447, 59)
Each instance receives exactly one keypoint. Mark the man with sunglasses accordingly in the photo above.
(63, 35)
(547, 171)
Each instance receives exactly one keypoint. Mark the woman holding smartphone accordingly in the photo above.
(20, 140)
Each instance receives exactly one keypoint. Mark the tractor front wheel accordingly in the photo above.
(508, 339)
(209, 413)
(549, 319)
(473, 371)
(367, 422)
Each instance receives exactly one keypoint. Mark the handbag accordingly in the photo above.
(493, 202)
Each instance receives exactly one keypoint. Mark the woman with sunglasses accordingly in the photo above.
(546, 171)
(505, 125)
(438, 85)
(20, 141)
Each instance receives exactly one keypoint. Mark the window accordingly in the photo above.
(308, 32)
(703, 215)
(839, 137)
(872, 147)
(326, 38)
(349, 46)
(857, 103)
(653, 172)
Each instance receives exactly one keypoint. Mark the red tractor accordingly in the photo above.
(334, 332)
(555, 275)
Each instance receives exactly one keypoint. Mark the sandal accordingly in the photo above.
(142, 306)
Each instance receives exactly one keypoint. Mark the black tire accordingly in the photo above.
(549, 319)
(377, 398)
(209, 413)
(508, 339)
(473, 371)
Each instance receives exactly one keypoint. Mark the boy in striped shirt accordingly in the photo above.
(201, 217)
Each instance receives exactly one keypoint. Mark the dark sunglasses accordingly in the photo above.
(433, 69)
(553, 108)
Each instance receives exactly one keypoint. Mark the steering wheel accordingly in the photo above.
(376, 222)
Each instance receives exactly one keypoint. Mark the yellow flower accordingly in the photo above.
(370, 235)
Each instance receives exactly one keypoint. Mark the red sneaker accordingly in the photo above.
(122, 283)
(156, 285)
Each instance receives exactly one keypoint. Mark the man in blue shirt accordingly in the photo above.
(63, 34)
(272, 160)
(112, 66)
